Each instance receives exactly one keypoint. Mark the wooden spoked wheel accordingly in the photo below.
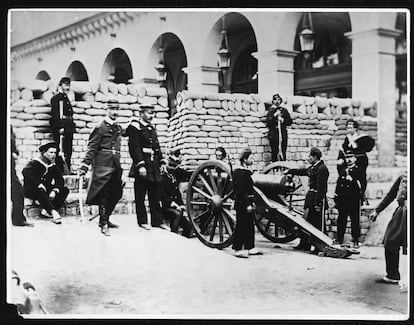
(210, 205)
(269, 225)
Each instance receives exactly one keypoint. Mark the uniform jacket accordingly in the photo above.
(318, 183)
(56, 123)
(170, 191)
(144, 149)
(272, 122)
(103, 153)
(243, 188)
(349, 181)
(37, 174)
(396, 232)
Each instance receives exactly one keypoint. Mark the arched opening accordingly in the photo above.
(175, 59)
(43, 75)
(241, 76)
(327, 71)
(117, 67)
(77, 72)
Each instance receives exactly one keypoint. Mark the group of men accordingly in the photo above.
(43, 180)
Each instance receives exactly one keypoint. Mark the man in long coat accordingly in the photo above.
(44, 182)
(104, 154)
(277, 119)
(396, 232)
(315, 200)
(147, 160)
(61, 122)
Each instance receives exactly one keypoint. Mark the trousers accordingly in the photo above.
(177, 220)
(141, 187)
(67, 140)
(45, 202)
(244, 231)
(348, 206)
(108, 199)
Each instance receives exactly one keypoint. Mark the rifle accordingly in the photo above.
(280, 153)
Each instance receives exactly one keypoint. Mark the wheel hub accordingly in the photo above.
(216, 202)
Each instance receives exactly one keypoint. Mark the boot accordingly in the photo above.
(105, 230)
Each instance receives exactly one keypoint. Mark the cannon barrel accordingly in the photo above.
(273, 185)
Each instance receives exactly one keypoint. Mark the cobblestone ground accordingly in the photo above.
(145, 274)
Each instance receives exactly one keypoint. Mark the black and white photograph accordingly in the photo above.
(213, 163)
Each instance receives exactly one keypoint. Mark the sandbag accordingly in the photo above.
(81, 87)
(47, 96)
(35, 85)
(113, 88)
(163, 101)
(38, 109)
(25, 116)
(88, 97)
(26, 94)
(42, 116)
(103, 88)
(82, 104)
(38, 102)
(132, 91)
(101, 97)
(122, 89)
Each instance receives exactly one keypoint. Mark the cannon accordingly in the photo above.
(279, 202)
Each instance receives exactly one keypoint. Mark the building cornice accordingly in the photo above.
(385, 32)
(105, 22)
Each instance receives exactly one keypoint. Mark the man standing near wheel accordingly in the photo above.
(147, 161)
(104, 154)
(315, 200)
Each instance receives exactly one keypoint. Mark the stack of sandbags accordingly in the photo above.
(205, 121)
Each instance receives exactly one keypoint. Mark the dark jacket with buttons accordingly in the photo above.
(144, 149)
(104, 155)
(318, 183)
(170, 191)
(272, 122)
(348, 184)
(59, 102)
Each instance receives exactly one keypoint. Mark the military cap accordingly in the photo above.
(246, 152)
(277, 96)
(65, 81)
(315, 152)
(353, 122)
(45, 147)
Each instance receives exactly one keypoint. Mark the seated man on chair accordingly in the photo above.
(44, 182)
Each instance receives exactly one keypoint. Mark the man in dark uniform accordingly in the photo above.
(171, 199)
(315, 200)
(61, 123)
(350, 145)
(348, 196)
(396, 232)
(278, 118)
(17, 191)
(44, 182)
(104, 154)
(145, 151)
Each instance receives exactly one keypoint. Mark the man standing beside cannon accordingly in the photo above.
(146, 155)
(277, 119)
(104, 154)
(315, 200)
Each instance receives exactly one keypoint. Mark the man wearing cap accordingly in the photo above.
(315, 200)
(61, 122)
(277, 119)
(44, 182)
(348, 197)
(104, 154)
(350, 146)
(171, 199)
(147, 161)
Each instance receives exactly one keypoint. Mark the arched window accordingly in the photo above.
(327, 71)
(244, 77)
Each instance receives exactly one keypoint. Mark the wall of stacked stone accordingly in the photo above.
(401, 135)
(30, 113)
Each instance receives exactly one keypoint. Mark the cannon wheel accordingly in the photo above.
(210, 205)
(267, 224)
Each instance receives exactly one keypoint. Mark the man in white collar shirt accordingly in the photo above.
(104, 154)
(350, 146)
(147, 161)
(43, 181)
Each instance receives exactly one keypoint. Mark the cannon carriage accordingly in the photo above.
(279, 200)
